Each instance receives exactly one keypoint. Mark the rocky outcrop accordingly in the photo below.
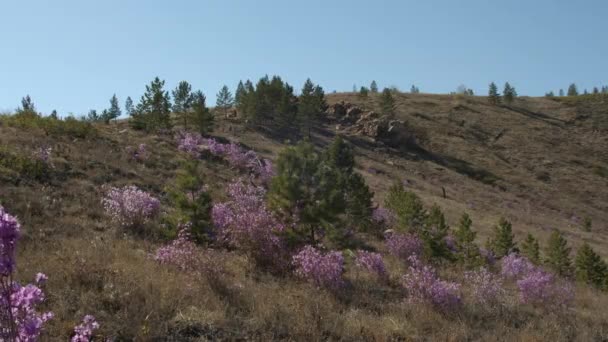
(352, 119)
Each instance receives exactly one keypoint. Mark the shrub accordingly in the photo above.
(139, 153)
(19, 318)
(372, 262)
(541, 288)
(424, 286)
(84, 331)
(514, 266)
(24, 166)
(404, 246)
(384, 217)
(245, 222)
(486, 287)
(130, 206)
(323, 270)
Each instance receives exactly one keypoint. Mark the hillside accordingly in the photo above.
(542, 163)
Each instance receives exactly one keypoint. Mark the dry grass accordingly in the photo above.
(94, 268)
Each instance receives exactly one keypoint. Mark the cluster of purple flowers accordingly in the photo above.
(486, 286)
(44, 154)
(323, 270)
(181, 252)
(130, 206)
(404, 245)
(84, 331)
(245, 222)
(536, 286)
(424, 286)
(238, 157)
(19, 319)
(383, 216)
(372, 262)
(138, 154)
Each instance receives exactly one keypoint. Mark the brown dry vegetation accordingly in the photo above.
(537, 162)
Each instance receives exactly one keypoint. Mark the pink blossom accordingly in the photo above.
(323, 270)
(129, 206)
(84, 331)
(486, 287)
(372, 262)
(424, 286)
(403, 245)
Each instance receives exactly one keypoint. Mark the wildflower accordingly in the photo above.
(372, 262)
(130, 206)
(323, 270)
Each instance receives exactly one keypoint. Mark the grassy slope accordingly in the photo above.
(95, 269)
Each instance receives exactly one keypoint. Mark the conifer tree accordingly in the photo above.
(434, 233)
(590, 268)
(113, 112)
(129, 109)
(509, 93)
(224, 100)
(572, 90)
(493, 96)
(153, 110)
(550, 94)
(310, 106)
(92, 116)
(373, 87)
(387, 103)
(306, 187)
(27, 105)
(502, 243)
(182, 101)
(239, 95)
(357, 196)
(202, 117)
(530, 248)
(407, 206)
(191, 201)
(363, 93)
(468, 251)
(54, 115)
(558, 254)
(561, 92)
(596, 90)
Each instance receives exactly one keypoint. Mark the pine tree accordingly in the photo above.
(509, 93)
(502, 243)
(357, 196)
(240, 95)
(550, 94)
(572, 90)
(387, 103)
(224, 100)
(307, 187)
(585, 92)
(182, 101)
(153, 110)
(27, 105)
(363, 93)
(54, 115)
(310, 106)
(558, 254)
(373, 87)
(192, 203)
(202, 117)
(531, 249)
(407, 206)
(589, 267)
(434, 233)
(493, 95)
(92, 116)
(414, 90)
(129, 109)
(468, 251)
(113, 112)
(596, 90)
(561, 92)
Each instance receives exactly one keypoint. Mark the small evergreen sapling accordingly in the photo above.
(558, 255)
(502, 242)
(530, 249)
(590, 268)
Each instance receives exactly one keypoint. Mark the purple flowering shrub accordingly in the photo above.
(424, 286)
(130, 206)
(245, 222)
(181, 252)
(84, 331)
(384, 217)
(536, 286)
(138, 154)
(44, 154)
(19, 318)
(236, 156)
(404, 245)
(371, 262)
(486, 287)
(323, 270)
(541, 288)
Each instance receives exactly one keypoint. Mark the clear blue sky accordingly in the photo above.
(72, 55)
